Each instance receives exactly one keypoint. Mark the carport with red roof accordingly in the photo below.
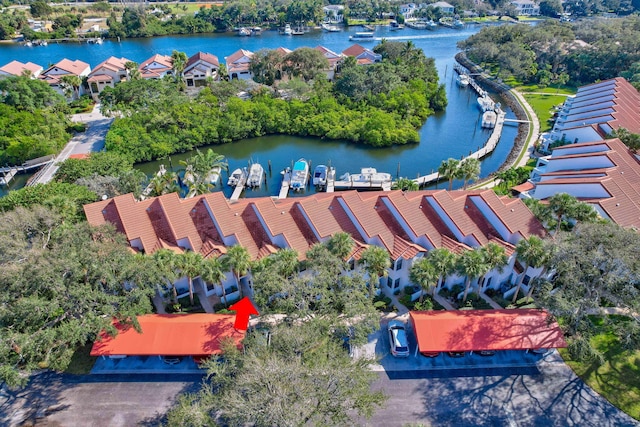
(477, 330)
(197, 335)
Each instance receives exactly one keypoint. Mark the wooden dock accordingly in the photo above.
(286, 183)
(7, 173)
(331, 180)
(7, 176)
(360, 185)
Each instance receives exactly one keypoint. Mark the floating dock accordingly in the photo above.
(7, 176)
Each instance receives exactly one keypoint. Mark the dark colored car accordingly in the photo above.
(455, 353)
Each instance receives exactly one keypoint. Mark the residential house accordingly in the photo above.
(54, 74)
(407, 225)
(594, 112)
(604, 174)
(238, 65)
(407, 10)
(199, 68)
(107, 74)
(445, 8)
(333, 13)
(16, 68)
(363, 55)
(333, 58)
(526, 7)
(156, 67)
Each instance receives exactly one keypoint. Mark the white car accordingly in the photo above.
(398, 339)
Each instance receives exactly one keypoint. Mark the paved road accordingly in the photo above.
(86, 142)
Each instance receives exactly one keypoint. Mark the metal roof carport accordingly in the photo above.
(476, 330)
(169, 335)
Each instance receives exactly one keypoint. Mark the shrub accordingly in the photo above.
(425, 305)
(406, 301)
(382, 303)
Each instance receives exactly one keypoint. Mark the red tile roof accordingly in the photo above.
(208, 223)
(16, 68)
(202, 56)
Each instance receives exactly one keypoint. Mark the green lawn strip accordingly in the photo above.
(81, 362)
(543, 107)
(618, 379)
(552, 90)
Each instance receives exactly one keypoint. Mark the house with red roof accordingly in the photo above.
(199, 68)
(17, 68)
(333, 58)
(363, 55)
(407, 225)
(604, 174)
(594, 113)
(55, 73)
(156, 67)
(238, 64)
(107, 74)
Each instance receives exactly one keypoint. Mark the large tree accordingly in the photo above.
(300, 375)
(444, 263)
(449, 169)
(596, 268)
(472, 264)
(424, 274)
(28, 94)
(469, 170)
(532, 253)
(238, 261)
(266, 66)
(305, 62)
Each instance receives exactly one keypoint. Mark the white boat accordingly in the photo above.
(463, 80)
(237, 177)
(244, 32)
(362, 36)
(287, 30)
(214, 175)
(320, 175)
(369, 175)
(485, 103)
(297, 32)
(369, 27)
(489, 119)
(394, 26)
(188, 177)
(458, 24)
(256, 31)
(95, 40)
(256, 175)
(300, 175)
(330, 28)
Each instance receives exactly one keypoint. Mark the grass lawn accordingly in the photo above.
(618, 380)
(543, 107)
(564, 90)
(81, 361)
(192, 8)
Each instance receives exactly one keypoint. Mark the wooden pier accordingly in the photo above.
(7, 173)
(286, 183)
(7, 176)
(360, 185)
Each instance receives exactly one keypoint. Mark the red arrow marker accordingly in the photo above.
(243, 308)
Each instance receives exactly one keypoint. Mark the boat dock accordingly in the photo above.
(491, 143)
(7, 173)
(286, 183)
(358, 185)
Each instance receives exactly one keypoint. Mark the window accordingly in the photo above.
(526, 279)
(389, 282)
(399, 264)
(396, 284)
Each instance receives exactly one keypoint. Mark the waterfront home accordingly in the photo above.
(54, 74)
(594, 112)
(199, 68)
(444, 7)
(17, 68)
(333, 58)
(363, 55)
(238, 65)
(156, 67)
(407, 10)
(526, 7)
(107, 74)
(407, 225)
(604, 174)
(333, 13)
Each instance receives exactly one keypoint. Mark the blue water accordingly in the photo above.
(453, 133)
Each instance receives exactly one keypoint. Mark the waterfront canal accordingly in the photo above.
(453, 133)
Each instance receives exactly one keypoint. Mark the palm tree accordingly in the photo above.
(72, 85)
(213, 272)
(449, 169)
(376, 261)
(341, 245)
(444, 264)
(190, 264)
(496, 256)
(532, 253)
(166, 262)
(238, 261)
(472, 264)
(561, 204)
(469, 170)
(132, 70)
(286, 261)
(179, 61)
(423, 273)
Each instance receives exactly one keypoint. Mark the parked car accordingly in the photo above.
(172, 360)
(398, 339)
(456, 353)
(430, 353)
(540, 351)
(486, 352)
